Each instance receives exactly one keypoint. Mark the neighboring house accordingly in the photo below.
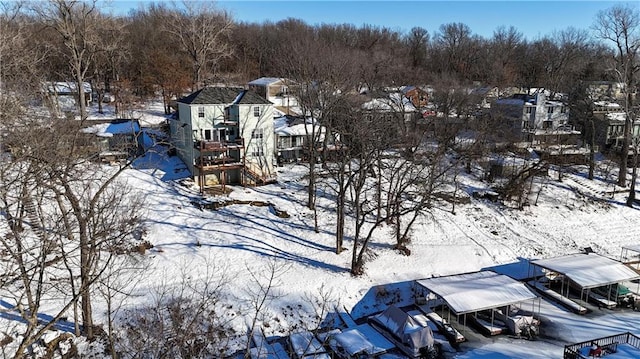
(394, 104)
(609, 126)
(225, 136)
(606, 90)
(293, 134)
(418, 97)
(276, 90)
(115, 140)
(394, 109)
(536, 119)
(64, 95)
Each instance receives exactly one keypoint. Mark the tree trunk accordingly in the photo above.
(632, 191)
(85, 282)
(592, 150)
(340, 203)
(79, 82)
(624, 155)
(312, 179)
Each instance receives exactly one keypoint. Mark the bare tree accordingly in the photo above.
(76, 23)
(21, 60)
(110, 54)
(418, 41)
(620, 26)
(203, 32)
(506, 49)
(323, 76)
(69, 218)
(263, 291)
(187, 318)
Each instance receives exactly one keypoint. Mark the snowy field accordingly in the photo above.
(569, 216)
(236, 239)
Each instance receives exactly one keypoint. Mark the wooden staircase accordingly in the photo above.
(255, 178)
(34, 220)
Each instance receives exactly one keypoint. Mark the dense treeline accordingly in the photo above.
(168, 49)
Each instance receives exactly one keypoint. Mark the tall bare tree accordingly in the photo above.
(203, 33)
(76, 23)
(620, 26)
(68, 218)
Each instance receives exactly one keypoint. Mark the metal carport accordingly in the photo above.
(474, 292)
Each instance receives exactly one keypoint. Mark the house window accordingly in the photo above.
(257, 151)
(201, 111)
(547, 124)
(207, 135)
(549, 109)
(563, 109)
(257, 133)
(529, 110)
(256, 111)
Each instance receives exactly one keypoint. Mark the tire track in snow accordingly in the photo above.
(523, 231)
(464, 231)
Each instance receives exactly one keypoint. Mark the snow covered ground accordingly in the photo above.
(569, 216)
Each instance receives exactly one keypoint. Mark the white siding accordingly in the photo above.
(248, 123)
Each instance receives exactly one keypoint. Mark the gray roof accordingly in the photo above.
(224, 96)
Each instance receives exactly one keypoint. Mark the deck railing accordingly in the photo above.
(610, 343)
(218, 145)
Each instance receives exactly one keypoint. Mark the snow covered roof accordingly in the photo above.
(66, 87)
(395, 102)
(607, 104)
(510, 101)
(473, 292)
(588, 270)
(284, 126)
(616, 116)
(362, 339)
(305, 344)
(405, 328)
(126, 127)
(634, 248)
(264, 81)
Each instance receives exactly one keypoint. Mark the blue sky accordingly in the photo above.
(533, 18)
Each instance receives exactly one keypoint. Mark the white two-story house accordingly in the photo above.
(225, 136)
(536, 118)
(277, 91)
